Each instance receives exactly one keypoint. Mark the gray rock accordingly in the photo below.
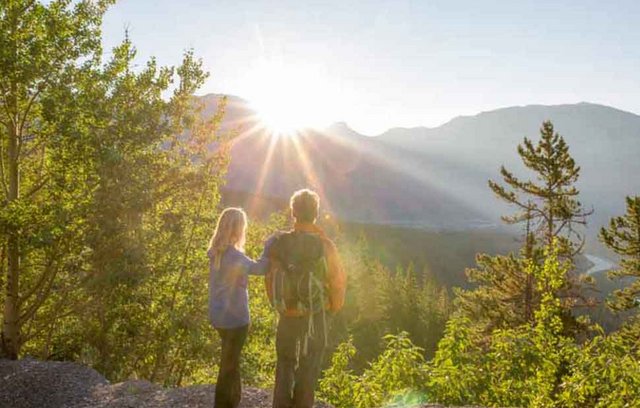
(30, 383)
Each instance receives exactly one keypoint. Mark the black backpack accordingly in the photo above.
(300, 273)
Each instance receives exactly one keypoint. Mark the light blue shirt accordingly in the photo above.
(228, 294)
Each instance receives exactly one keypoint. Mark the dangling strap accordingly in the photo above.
(305, 346)
(274, 284)
(310, 327)
(324, 326)
(324, 310)
(298, 355)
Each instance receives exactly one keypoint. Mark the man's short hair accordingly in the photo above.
(305, 205)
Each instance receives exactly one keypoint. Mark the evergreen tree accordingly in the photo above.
(380, 302)
(503, 297)
(549, 210)
(522, 365)
(548, 204)
(623, 237)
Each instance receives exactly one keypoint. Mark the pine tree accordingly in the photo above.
(549, 211)
(503, 298)
(549, 205)
(623, 237)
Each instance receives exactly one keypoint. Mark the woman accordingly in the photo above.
(229, 268)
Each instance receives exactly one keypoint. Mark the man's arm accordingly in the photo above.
(336, 277)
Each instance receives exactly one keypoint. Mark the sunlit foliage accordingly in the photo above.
(397, 375)
(110, 188)
(623, 237)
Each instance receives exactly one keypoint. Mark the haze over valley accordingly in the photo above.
(434, 178)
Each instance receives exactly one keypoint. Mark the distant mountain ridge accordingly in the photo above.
(434, 177)
(530, 107)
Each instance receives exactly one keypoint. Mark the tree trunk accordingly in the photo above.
(11, 327)
(528, 311)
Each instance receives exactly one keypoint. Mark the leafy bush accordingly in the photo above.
(522, 366)
(605, 373)
(396, 376)
(456, 374)
(338, 382)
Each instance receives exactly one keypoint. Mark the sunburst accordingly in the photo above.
(288, 98)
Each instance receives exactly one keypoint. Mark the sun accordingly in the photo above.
(290, 97)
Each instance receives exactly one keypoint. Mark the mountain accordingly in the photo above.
(604, 141)
(433, 177)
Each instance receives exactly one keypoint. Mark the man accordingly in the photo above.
(306, 284)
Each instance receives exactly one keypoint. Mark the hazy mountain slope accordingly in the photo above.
(604, 141)
(358, 177)
(434, 177)
(356, 181)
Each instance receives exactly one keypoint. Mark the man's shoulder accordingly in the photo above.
(274, 243)
(282, 239)
(273, 238)
(328, 244)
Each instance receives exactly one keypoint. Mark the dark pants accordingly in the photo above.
(228, 386)
(298, 366)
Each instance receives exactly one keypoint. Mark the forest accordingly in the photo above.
(111, 181)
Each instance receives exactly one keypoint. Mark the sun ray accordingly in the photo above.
(262, 175)
(310, 173)
(291, 103)
(256, 128)
(417, 169)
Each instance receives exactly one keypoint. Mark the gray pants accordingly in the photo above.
(298, 364)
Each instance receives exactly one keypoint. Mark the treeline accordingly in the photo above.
(518, 337)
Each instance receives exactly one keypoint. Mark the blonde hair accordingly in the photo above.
(230, 231)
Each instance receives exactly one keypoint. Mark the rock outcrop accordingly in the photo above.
(31, 383)
(36, 384)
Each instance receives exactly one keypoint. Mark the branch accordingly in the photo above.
(41, 280)
(561, 227)
(24, 117)
(3, 181)
(580, 247)
(6, 107)
(27, 6)
(187, 248)
(41, 297)
(3, 254)
(37, 333)
(36, 146)
(37, 187)
(42, 287)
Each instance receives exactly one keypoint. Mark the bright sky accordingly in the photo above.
(381, 64)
